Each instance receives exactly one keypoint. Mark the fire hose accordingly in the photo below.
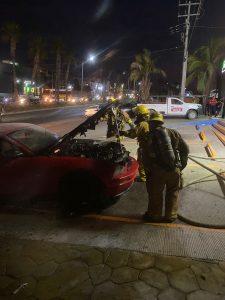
(220, 179)
(207, 168)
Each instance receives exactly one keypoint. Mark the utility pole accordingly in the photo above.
(189, 9)
(185, 58)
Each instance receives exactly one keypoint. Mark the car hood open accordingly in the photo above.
(71, 145)
(88, 124)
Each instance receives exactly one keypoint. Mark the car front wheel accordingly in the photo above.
(192, 114)
(82, 193)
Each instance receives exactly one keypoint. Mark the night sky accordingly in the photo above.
(114, 29)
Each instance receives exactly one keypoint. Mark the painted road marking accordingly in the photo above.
(140, 221)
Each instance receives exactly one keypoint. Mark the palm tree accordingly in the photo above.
(37, 52)
(69, 60)
(204, 64)
(142, 69)
(10, 32)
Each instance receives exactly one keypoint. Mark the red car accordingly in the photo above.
(35, 163)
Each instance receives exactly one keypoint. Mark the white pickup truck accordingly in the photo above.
(172, 106)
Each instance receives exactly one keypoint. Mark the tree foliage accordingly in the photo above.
(69, 60)
(37, 51)
(204, 64)
(58, 48)
(142, 69)
(10, 33)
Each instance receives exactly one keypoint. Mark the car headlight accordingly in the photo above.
(22, 100)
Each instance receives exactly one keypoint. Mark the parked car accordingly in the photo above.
(34, 99)
(36, 163)
(171, 106)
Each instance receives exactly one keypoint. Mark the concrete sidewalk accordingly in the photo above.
(43, 271)
(202, 201)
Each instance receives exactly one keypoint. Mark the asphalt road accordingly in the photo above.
(46, 115)
(64, 119)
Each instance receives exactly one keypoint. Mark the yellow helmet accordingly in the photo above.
(113, 99)
(156, 116)
(141, 110)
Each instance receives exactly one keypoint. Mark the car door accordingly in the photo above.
(10, 176)
(176, 108)
(26, 175)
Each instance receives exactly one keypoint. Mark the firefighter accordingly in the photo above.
(116, 120)
(165, 155)
(142, 126)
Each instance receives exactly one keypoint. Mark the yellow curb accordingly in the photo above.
(114, 218)
(202, 136)
(211, 151)
(130, 220)
(140, 221)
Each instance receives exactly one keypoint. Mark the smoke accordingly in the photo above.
(103, 9)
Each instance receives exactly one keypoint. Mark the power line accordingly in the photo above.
(163, 50)
(152, 52)
(210, 27)
(177, 28)
(188, 9)
(196, 19)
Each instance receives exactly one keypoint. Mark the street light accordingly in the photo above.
(91, 58)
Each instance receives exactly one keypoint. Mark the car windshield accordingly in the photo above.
(35, 138)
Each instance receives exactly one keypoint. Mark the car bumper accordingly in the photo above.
(122, 182)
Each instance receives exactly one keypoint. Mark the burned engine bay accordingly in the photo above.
(70, 145)
(94, 149)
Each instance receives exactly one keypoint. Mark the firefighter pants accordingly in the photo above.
(156, 180)
(141, 167)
